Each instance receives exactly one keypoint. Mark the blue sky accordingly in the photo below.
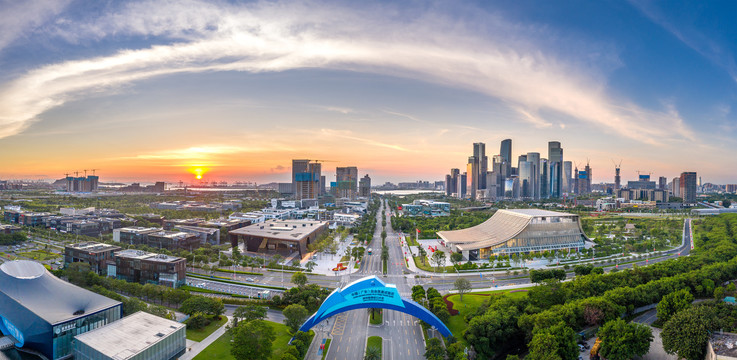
(148, 89)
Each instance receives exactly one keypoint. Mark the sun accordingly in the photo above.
(198, 171)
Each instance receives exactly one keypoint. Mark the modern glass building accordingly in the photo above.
(45, 313)
(517, 231)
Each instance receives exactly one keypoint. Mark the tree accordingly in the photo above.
(299, 278)
(719, 293)
(434, 350)
(310, 265)
(622, 341)
(249, 312)
(294, 316)
(687, 332)
(438, 257)
(372, 353)
(673, 303)
(198, 320)
(556, 342)
(418, 293)
(462, 285)
(252, 340)
(456, 257)
(205, 305)
(422, 253)
(77, 273)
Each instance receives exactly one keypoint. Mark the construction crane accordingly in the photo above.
(85, 172)
(93, 171)
(76, 173)
(324, 160)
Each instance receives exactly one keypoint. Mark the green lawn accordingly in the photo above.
(471, 302)
(374, 341)
(325, 351)
(40, 255)
(377, 319)
(201, 334)
(220, 349)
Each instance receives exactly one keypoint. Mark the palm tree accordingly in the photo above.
(372, 353)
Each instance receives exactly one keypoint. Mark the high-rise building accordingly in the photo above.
(525, 177)
(687, 182)
(461, 190)
(675, 187)
(306, 179)
(454, 178)
(364, 186)
(506, 150)
(448, 185)
(347, 181)
(662, 183)
(472, 176)
(544, 180)
(534, 159)
(479, 152)
(555, 161)
(583, 180)
(501, 171)
(567, 177)
(617, 177)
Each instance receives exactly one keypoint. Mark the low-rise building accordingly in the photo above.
(144, 267)
(722, 346)
(172, 240)
(138, 336)
(252, 217)
(206, 235)
(95, 254)
(9, 229)
(341, 219)
(284, 236)
(133, 234)
(174, 223)
(426, 208)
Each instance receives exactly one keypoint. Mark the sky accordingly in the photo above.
(150, 90)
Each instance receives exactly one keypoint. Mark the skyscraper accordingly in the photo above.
(534, 159)
(479, 152)
(461, 191)
(687, 183)
(506, 150)
(555, 162)
(347, 181)
(364, 186)
(675, 187)
(525, 177)
(567, 177)
(544, 187)
(306, 179)
(662, 182)
(454, 178)
(472, 176)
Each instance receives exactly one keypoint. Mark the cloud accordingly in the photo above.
(279, 169)
(486, 54)
(18, 18)
(347, 134)
(197, 153)
(342, 110)
(403, 115)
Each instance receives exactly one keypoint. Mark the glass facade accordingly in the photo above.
(64, 333)
(543, 233)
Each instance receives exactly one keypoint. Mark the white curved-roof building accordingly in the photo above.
(512, 231)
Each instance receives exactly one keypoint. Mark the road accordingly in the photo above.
(401, 333)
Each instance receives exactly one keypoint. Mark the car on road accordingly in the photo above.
(250, 279)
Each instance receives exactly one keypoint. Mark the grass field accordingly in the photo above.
(374, 341)
(40, 255)
(201, 334)
(378, 318)
(220, 349)
(471, 302)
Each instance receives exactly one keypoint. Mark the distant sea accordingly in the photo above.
(406, 192)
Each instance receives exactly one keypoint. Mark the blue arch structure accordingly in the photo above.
(371, 292)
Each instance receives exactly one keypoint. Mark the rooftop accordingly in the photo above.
(530, 213)
(139, 229)
(92, 246)
(129, 336)
(294, 230)
(29, 284)
(724, 344)
(142, 255)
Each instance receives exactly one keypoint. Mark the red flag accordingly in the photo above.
(418, 230)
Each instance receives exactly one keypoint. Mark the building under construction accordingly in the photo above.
(82, 183)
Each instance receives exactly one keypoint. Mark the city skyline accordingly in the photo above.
(149, 91)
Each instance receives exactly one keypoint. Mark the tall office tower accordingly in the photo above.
(364, 186)
(461, 191)
(347, 181)
(589, 177)
(448, 185)
(479, 152)
(567, 177)
(534, 159)
(506, 150)
(525, 177)
(306, 179)
(617, 178)
(688, 187)
(555, 161)
(575, 180)
(501, 171)
(454, 176)
(544, 187)
(322, 185)
(662, 183)
(675, 187)
(472, 176)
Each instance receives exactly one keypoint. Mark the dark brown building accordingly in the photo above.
(148, 268)
(280, 236)
(92, 253)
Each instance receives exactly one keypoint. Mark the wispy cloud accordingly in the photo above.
(403, 115)
(347, 134)
(18, 18)
(506, 63)
(342, 110)
(198, 153)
